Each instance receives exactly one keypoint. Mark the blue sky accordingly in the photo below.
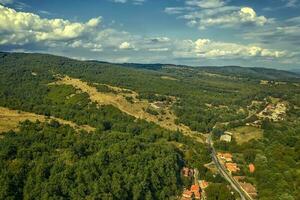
(194, 32)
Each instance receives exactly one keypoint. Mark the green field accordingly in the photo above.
(246, 133)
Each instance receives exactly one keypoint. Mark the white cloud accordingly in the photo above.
(5, 2)
(205, 13)
(227, 18)
(159, 49)
(206, 3)
(284, 34)
(247, 14)
(21, 30)
(135, 2)
(22, 27)
(205, 48)
(87, 45)
(160, 39)
(291, 3)
(174, 10)
(126, 45)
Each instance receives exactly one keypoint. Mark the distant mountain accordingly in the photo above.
(253, 72)
(157, 66)
(237, 71)
(297, 71)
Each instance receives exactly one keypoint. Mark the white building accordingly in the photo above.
(226, 138)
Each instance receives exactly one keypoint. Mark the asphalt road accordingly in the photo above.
(234, 184)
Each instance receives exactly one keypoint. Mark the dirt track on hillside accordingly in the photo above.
(136, 108)
(10, 119)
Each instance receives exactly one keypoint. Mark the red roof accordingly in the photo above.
(195, 188)
(251, 168)
(203, 184)
(232, 167)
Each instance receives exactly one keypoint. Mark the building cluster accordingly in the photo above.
(196, 191)
(226, 160)
(193, 193)
(274, 112)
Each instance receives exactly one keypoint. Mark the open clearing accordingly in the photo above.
(135, 107)
(246, 133)
(10, 119)
(169, 78)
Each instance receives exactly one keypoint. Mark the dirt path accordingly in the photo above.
(10, 119)
(136, 108)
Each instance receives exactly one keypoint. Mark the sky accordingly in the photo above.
(250, 33)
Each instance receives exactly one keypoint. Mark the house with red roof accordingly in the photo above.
(251, 168)
(232, 167)
(193, 193)
(227, 157)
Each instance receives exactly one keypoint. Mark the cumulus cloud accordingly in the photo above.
(231, 18)
(205, 48)
(87, 45)
(206, 13)
(21, 27)
(285, 33)
(125, 45)
(28, 31)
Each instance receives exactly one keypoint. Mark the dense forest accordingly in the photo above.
(129, 158)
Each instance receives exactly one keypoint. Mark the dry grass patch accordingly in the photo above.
(246, 133)
(135, 107)
(168, 78)
(10, 119)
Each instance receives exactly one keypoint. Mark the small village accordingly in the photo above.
(273, 111)
(197, 189)
(226, 159)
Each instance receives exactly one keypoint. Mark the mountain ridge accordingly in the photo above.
(229, 70)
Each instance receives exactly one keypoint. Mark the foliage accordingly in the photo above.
(51, 161)
(218, 191)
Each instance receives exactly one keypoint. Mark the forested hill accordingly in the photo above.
(253, 72)
(237, 71)
(74, 129)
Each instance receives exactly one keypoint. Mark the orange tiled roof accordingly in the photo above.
(203, 184)
(232, 167)
(251, 168)
(227, 155)
(195, 188)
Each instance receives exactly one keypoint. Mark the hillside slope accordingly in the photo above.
(141, 116)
